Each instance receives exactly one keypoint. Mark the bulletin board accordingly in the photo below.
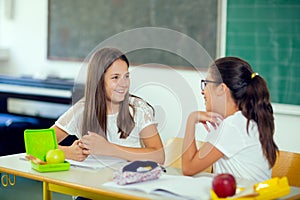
(266, 34)
(75, 27)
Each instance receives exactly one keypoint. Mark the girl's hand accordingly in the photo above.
(93, 143)
(212, 118)
(74, 152)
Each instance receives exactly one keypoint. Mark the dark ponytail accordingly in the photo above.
(251, 94)
(256, 105)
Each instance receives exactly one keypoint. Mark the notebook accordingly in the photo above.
(177, 187)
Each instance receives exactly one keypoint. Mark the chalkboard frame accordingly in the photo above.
(51, 21)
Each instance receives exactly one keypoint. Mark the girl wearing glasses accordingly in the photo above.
(108, 120)
(239, 118)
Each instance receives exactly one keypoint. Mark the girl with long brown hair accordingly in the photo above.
(108, 120)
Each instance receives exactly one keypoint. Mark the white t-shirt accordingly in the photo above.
(243, 156)
(71, 122)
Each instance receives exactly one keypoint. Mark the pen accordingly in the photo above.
(22, 158)
(164, 169)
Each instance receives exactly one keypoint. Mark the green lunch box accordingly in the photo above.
(37, 143)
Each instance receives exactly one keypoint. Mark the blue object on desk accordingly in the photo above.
(12, 132)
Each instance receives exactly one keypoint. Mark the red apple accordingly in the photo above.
(224, 185)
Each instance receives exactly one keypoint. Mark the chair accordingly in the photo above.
(288, 164)
(173, 151)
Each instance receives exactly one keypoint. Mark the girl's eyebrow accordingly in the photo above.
(117, 74)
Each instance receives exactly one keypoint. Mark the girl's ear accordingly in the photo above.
(222, 89)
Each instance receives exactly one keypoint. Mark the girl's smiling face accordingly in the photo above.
(117, 82)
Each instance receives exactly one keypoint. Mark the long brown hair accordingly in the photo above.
(95, 108)
(251, 94)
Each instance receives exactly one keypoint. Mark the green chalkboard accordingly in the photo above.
(266, 33)
(75, 27)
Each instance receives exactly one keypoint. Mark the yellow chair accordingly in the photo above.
(173, 151)
(288, 164)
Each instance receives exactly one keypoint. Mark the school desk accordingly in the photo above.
(82, 182)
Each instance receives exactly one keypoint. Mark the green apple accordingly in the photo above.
(55, 156)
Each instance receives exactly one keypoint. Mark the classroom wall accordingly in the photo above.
(24, 34)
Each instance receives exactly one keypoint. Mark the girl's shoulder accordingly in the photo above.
(139, 103)
(142, 111)
(79, 105)
(237, 117)
(238, 122)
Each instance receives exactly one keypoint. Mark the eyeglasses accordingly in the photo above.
(204, 83)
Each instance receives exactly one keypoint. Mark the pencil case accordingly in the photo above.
(138, 171)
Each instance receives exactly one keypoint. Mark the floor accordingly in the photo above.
(26, 189)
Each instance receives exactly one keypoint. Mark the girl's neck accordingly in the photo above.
(230, 107)
(112, 108)
(231, 112)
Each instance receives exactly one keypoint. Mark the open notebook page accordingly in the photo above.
(179, 187)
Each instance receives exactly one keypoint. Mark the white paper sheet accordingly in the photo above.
(97, 162)
(181, 187)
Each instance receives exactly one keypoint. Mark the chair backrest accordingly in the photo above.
(173, 151)
(288, 164)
